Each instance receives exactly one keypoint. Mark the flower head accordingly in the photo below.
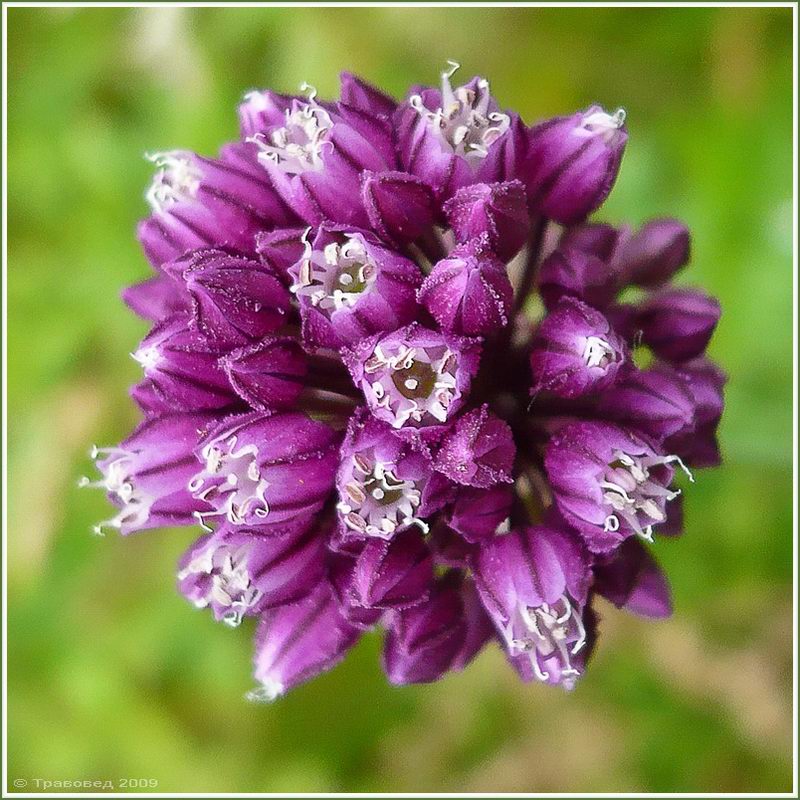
(395, 376)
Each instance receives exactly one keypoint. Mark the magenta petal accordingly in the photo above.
(395, 574)
(705, 381)
(609, 483)
(400, 206)
(677, 324)
(261, 110)
(206, 202)
(265, 468)
(424, 640)
(655, 401)
(570, 272)
(315, 157)
(479, 628)
(183, 368)
(357, 93)
(458, 136)
(281, 249)
(631, 579)
(297, 642)
(384, 486)
(596, 238)
(414, 376)
(655, 252)
(350, 286)
(234, 299)
(156, 298)
(341, 573)
(478, 514)
(268, 374)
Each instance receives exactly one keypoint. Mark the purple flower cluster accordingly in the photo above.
(401, 383)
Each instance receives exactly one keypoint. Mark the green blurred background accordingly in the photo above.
(112, 675)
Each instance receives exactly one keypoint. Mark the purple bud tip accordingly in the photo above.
(631, 579)
(268, 374)
(497, 210)
(469, 292)
(573, 163)
(656, 252)
(677, 324)
(400, 206)
(478, 451)
(235, 300)
(396, 574)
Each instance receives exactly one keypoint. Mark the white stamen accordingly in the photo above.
(176, 180)
(148, 357)
(118, 478)
(453, 67)
(629, 490)
(232, 482)
(611, 524)
(222, 577)
(298, 146)
(268, 691)
(463, 124)
(310, 91)
(545, 632)
(375, 501)
(602, 123)
(597, 352)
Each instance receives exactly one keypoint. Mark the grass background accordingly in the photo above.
(112, 675)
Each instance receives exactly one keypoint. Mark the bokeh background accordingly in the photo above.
(112, 675)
